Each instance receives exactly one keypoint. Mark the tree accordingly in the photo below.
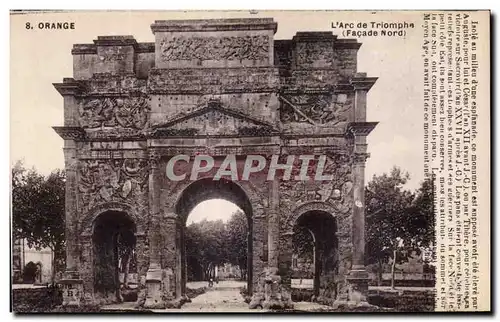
(38, 211)
(237, 240)
(205, 247)
(390, 234)
(303, 248)
(422, 219)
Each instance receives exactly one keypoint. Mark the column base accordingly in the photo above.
(72, 287)
(174, 303)
(256, 301)
(358, 286)
(350, 305)
(275, 297)
(154, 296)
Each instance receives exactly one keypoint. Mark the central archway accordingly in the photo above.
(206, 189)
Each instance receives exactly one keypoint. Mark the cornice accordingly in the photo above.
(360, 128)
(70, 132)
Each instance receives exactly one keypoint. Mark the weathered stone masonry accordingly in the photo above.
(214, 87)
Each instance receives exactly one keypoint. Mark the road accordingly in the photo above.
(222, 297)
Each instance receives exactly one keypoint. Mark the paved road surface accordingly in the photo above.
(222, 297)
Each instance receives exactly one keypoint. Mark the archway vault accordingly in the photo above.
(206, 189)
(87, 222)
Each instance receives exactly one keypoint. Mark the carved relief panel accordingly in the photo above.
(215, 48)
(337, 193)
(116, 112)
(119, 180)
(315, 109)
(314, 54)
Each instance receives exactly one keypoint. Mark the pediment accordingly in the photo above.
(214, 120)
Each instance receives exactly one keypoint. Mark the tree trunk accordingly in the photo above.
(206, 272)
(126, 266)
(116, 270)
(393, 269)
(380, 268)
(53, 264)
(243, 275)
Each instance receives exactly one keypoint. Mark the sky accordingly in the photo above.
(219, 209)
(42, 57)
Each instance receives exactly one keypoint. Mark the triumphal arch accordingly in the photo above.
(214, 88)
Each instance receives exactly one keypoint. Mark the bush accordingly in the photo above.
(29, 273)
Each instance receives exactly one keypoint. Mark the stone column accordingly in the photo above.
(358, 277)
(71, 233)
(171, 286)
(359, 129)
(273, 226)
(259, 256)
(154, 274)
(274, 297)
(142, 251)
(358, 218)
(71, 282)
(178, 261)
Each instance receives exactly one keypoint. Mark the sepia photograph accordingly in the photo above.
(250, 161)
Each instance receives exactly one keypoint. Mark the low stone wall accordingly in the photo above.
(302, 294)
(35, 299)
(405, 301)
(407, 283)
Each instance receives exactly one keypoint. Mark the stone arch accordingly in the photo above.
(254, 195)
(222, 189)
(308, 206)
(88, 221)
(204, 189)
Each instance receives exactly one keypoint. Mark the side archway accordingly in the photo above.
(108, 240)
(319, 219)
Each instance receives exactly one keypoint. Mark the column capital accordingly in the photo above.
(361, 82)
(361, 157)
(170, 216)
(154, 159)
